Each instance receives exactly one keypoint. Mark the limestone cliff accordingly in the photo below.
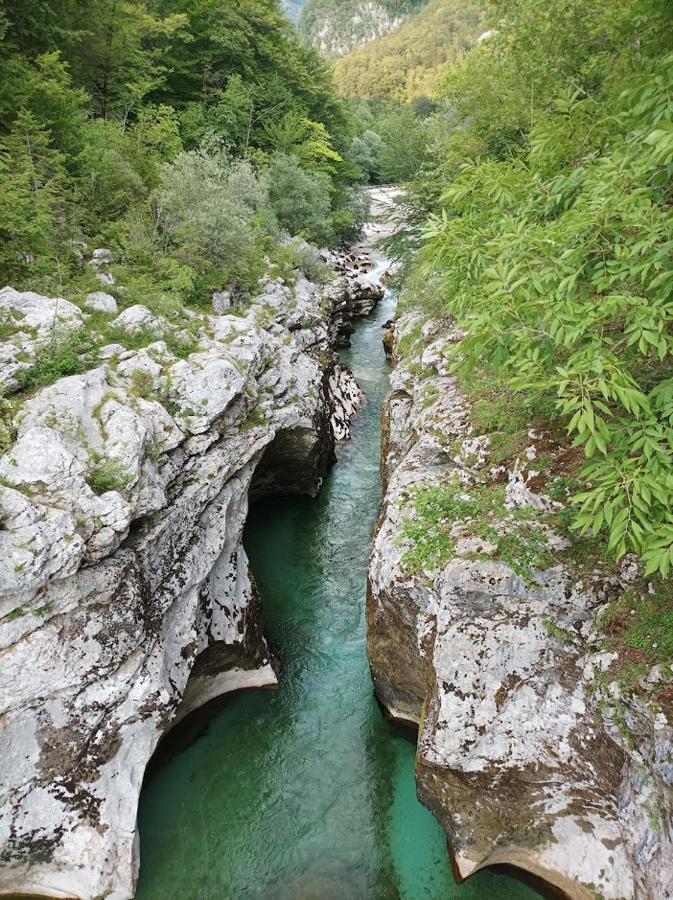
(292, 8)
(125, 595)
(334, 29)
(488, 629)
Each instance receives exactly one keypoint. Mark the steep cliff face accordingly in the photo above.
(487, 629)
(336, 28)
(293, 8)
(125, 594)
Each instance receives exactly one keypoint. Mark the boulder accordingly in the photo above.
(101, 257)
(138, 318)
(222, 301)
(99, 301)
(35, 321)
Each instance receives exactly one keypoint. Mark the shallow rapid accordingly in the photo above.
(307, 792)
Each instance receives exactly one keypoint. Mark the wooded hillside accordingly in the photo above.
(408, 63)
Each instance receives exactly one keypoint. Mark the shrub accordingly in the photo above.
(108, 476)
(67, 353)
(297, 255)
(208, 208)
(366, 151)
(142, 383)
(300, 201)
(6, 423)
(559, 265)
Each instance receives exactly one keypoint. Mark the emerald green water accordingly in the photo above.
(306, 793)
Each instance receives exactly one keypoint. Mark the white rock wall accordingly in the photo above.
(121, 566)
(521, 754)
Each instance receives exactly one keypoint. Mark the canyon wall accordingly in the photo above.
(125, 594)
(336, 28)
(487, 627)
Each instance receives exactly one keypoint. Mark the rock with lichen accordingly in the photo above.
(484, 627)
(125, 596)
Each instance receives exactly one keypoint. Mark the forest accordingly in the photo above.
(111, 110)
(191, 136)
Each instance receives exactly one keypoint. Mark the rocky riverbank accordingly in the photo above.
(498, 633)
(126, 599)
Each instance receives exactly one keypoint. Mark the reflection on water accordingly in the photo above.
(306, 792)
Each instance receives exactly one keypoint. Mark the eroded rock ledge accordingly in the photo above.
(122, 503)
(485, 629)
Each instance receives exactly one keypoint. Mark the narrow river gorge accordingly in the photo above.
(308, 791)
(336, 450)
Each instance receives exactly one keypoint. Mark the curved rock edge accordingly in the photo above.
(111, 601)
(522, 756)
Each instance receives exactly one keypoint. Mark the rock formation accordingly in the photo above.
(125, 595)
(486, 631)
(335, 28)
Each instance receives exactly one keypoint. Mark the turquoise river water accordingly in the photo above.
(306, 793)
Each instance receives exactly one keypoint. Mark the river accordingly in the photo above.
(306, 793)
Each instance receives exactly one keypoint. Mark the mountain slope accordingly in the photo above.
(335, 27)
(293, 8)
(406, 64)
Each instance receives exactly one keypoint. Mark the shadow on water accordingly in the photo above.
(305, 792)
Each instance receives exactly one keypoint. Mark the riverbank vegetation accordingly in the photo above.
(190, 137)
(544, 201)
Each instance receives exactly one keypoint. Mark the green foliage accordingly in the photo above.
(298, 256)
(67, 353)
(394, 141)
(553, 237)
(108, 476)
(208, 208)
(142, 383)
(6, 423)
(365, 152)
(32, 183)
(408, 63)
(120, 164)
(404, 137)
(96, 123)
(639, 627)
(309, 142)
(427, 530)
(438, 509)
(255, 419)
(300, 200)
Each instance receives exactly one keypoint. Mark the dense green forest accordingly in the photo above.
(542, 204)
(408, 63)
(188, 135)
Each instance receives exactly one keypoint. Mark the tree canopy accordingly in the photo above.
(549, 239)
(99, 99)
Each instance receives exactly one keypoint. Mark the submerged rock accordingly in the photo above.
(520, 754)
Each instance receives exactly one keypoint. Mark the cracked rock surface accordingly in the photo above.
(523, 754)
(124, 586)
